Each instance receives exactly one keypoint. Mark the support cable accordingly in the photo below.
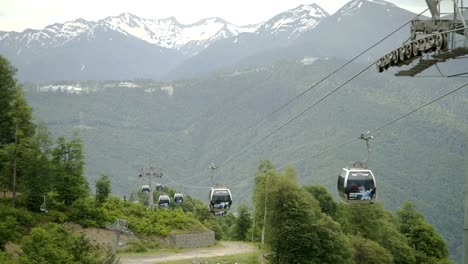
(328, 76)
(367, 133)
(296, 116)
(345, 143)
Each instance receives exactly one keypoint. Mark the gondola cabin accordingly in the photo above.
(145, 188)
(159, 187)
(357, 185)
(220, 199)
(178, 198)
(164, 201)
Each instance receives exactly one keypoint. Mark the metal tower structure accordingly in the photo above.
(150, 172)
(119, 227)
(432, 41)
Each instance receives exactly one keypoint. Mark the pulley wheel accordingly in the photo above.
(408, 51)
(439, 41)
(402, 53)
(415, 48)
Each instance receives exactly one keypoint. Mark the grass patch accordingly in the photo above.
(157, 250)
(248, 258)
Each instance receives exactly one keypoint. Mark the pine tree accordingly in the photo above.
(7, 97)
(37, 172)
(15, 126)
(103, 188)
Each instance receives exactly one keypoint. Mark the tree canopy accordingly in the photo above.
(305, 225)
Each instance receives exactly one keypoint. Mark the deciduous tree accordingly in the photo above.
(430, 246)
(243, 223)
(70, 184)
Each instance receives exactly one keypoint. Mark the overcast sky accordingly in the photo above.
(17, 15)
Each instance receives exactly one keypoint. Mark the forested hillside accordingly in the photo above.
(420, 158)
(305, 225)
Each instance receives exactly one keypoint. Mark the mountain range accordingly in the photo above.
(128, 47)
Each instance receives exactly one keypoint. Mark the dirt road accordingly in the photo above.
(226, 248)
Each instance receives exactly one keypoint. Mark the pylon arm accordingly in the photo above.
(434, 8)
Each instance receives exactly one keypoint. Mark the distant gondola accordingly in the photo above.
(220, 199)
(178, 198)
(159, 187)
(164, 201)
(145, 188)
(357, 184)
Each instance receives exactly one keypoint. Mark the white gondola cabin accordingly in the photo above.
(164, 201)
(145, 188)
(357, 184)
(178, 198)
(220, 199)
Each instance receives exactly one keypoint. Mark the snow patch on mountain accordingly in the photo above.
(351, 7)
(295, 21)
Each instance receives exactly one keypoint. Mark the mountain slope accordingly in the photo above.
(104, 56)
(355, 27)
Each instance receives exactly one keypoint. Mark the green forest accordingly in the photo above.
(47, 179)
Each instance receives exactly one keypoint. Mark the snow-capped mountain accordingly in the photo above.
(353, 7)
(169, 33)
(166, 33)
(52, 36)
(281, 30)
(119, 47)
(295, 21)
(356, 26)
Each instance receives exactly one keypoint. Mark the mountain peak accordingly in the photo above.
(294, 21)
(127, 15)
(314, 10)
(354, 5)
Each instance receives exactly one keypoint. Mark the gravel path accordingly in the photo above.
(226, 248)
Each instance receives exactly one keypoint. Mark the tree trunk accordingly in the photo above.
(13, 202)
